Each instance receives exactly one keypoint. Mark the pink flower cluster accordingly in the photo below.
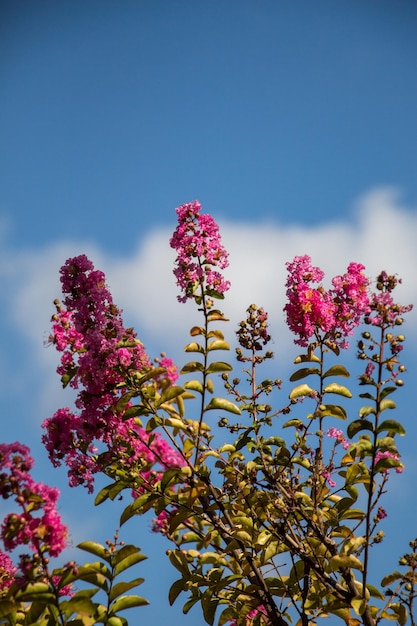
(39, 524)
(335, 312)
(337, 434)
(388, 455)
(99, 355)
(198, 244)
(7, 572)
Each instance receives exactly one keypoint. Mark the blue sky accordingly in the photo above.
(293, 123)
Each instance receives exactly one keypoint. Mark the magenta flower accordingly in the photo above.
(38, 525)
(198, 245)
(388, 455)
(312, 309)
(328, 477)
(381, 513)
(7, 572)
(334, 433)
(98, 355)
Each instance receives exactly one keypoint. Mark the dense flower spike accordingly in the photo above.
(335, 312)
(38, 525)
(99, 355)
(198, 245)
(7, 572)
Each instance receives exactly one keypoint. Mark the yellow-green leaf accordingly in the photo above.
(216, 315)
(218, 344)
(194, 385)
(348, 560)
(338, 389)
(95, 548)
(192, 366)
(126, 602)
(337, 370)
(301, 390)
(126, 557)
(222, 404)
(303, 373)
(193, 347)
(218, 366)
(387, 403)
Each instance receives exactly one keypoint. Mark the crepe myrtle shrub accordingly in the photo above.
(272, 508)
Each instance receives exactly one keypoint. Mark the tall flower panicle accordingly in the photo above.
(7, 572)
(199, 249)
(38, 524)
(98, 355)
(312, 309)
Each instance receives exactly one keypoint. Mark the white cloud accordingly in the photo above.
(379, 233)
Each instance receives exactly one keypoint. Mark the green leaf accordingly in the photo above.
(216, 316)
(218, 366)
(153, 373)
(194, 385)
(375, 592)
(81, 604)
(6, 607)
(357, 425)
(227, 615)
(126, 602)
(171, 392)
(209, 606)
(335, 411)
(301, 390)
(192, 366)
(179, 561)
(194, 347)
(358, 605)
(95, 574)
(223, 405)
(218, 344)
(170, 477)
(348, 560)
(307, 358)
(392, 426)
(303, 373)
(337, 370)
(391, 578)
(338, 389)
(387, 391)
(95, 548)
(294, 422)
(364, 411)
(134, 411)
(368, 396)
(126, 557)
(353, 514)
(387, 404)
(115, 620)
(119, 588)
(110, 491)
(140, 505)
(176, 588)
(197, 330)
